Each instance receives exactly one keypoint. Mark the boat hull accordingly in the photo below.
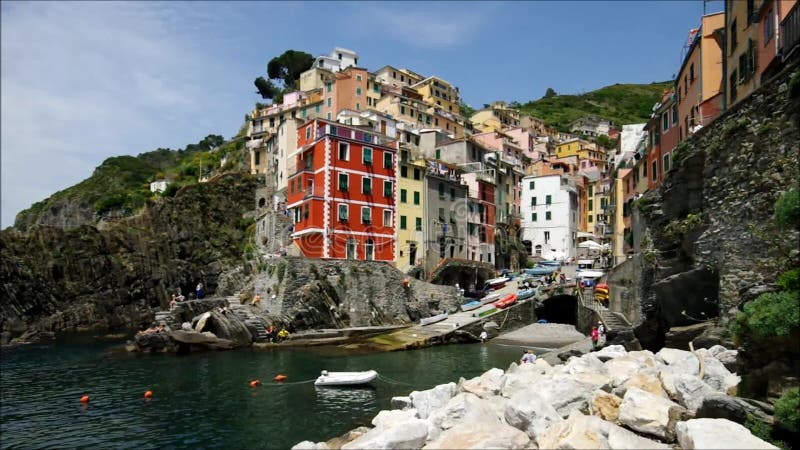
(506, 301)
(525, 294)
(469, 306)
(346, 378)
(433, 319)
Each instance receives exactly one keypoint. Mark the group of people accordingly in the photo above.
(160, 328)
(598, 334)
(273, 335)
(199, 293)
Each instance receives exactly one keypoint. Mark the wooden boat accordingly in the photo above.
(540, 270)
(345, 378)
(490, 298)
(433, 319)
(506, 301)
(496, 283)
(526, 293)
(469, 306)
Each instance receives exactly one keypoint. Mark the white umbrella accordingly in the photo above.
(590, 244)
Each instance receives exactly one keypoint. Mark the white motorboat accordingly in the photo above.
(496, 283)
(589, 274)
(491, 298)
(433, 319)
(345, 378)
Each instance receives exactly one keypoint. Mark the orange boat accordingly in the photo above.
(506, 301)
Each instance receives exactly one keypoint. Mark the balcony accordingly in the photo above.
(790, 32)
(255, 143)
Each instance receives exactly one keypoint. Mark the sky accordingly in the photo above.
(80, 82)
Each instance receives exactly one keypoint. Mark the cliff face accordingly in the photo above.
(707, 240)
(84, 278)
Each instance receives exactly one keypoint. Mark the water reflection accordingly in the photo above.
(345, 399)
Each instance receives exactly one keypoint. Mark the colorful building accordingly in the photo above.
(591, 126)
(498, 116)
(410, 208)
(342, 196)
(439, 93)
(550, 210)
(662, 132)
(445, 213)
(394, 77)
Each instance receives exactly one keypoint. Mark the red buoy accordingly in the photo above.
(85, 399)
(280, 377)
(255, 383)
(148, 394)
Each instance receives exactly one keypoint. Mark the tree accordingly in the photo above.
(288, 66)
(466, 110)
(550, 93)
(265, 88)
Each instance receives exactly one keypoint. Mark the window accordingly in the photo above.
(404, 171)
(654, 171)
(344, 151)
(452, 194)
(665, 121)
(316, 108)
(358, 106)
(533, 217)
(417, 174)
(343, 211)
(402, 222)
(546, 237)
(416, 197)
(591, 190)
(441, 190)
(438, 153)
(369, 250)
(366, 185)
(591, 205)
(675, 115)
(366, 156)
(590, 218)
(402, 110)
(344, 182)
(533, 201)
(258, 158)
(732, 85)
(308, 132)
(366, 214)
(328, 86)
(403, 196)
(329, 102)
(358, 77)
(387, 217)
(733, 36)
(691, 73)
(548, 215)
(441, 214)
(358, 92)
(665, 162)
(329, 116)
(387, 189)
(352, 245)
(769, 27)
(387, 160)
(531, 185)
(548, 200)
(418, 224)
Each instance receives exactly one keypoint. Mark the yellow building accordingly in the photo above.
(742, 49)
(439, 93)
(589, 154)
(315, 78)
(497, 117)
(410, 205)
(596, 201)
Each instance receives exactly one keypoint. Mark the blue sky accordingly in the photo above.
(84, 81)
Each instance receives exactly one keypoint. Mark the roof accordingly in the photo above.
(344, 50)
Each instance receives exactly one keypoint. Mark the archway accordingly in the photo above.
(560, 308)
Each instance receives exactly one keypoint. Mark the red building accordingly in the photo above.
(664, 135)
(342, 195)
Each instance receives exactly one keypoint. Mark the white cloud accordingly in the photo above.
(84, 81)
(429, 25)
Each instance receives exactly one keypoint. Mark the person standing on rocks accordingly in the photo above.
(595, 338)
(199, 291)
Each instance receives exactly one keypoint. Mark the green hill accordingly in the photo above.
(620, 103)
(120, 186)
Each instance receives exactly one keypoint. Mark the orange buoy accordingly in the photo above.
(406, 282)
(255, 383)
(85, 399)
(148, 394)
(280, 377)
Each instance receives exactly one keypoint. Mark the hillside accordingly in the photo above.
(621, 103)
(120, 186)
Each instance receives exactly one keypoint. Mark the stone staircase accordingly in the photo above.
(246, 313)
(612, 320)
(275, 234)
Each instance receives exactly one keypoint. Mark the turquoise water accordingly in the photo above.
(204, 400)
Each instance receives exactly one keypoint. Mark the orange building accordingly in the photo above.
(350, 89)
(699, 81)
(342, 195)
(662, 130)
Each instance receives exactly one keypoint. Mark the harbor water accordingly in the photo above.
(204, 400)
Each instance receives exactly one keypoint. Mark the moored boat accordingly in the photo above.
(525, 293)
(496, 283)
(433, 319)
(506, 301)
(469, 306)
(540, 270)
(490, 298)
(545, 262)
(345, 378)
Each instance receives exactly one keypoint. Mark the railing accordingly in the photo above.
(790, 32)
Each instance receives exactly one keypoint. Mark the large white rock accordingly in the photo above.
(565, 394)
(718, 376)
(522, 378)
(483, 386)
(388, 418)
(688, 390)
(621, 368)
(610, 352)
(407, 434)
(580, 431)
(728, 357)
(605, 405)
(479, 436)
(529, 412)
(716, 349)
(587, 369)
(651, 414)
(464, 407)
(308, 445)
(426, 401)
(646, 380)
(680, 360)
(717, 434)
(401, 402)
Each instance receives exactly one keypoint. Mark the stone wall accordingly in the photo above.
(708, 234)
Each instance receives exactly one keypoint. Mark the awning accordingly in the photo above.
(590, 244)
(583, 234)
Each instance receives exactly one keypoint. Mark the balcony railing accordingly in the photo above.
(790, 32)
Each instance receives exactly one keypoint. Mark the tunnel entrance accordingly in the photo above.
(560, 308)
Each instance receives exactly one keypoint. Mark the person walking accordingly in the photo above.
(595, 338)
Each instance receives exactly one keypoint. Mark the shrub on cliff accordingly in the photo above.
(787, 209)
(773, 314)
(787, 410)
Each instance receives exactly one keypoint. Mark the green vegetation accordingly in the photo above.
(284, 69)
(787, 410)
(787, 209)
(676, 230)
(620, 103)
(772, 314)
(281, 271)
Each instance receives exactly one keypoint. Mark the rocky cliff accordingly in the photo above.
(706, 239)
(85, 278)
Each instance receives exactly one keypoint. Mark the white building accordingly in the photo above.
(374, 120)
(159, 186)
(591, 126)
(549, 210)
(338, 60)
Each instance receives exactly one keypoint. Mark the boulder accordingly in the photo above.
(681, 360)
(486, 385)
(729, 359)
(477, 435)
(645, 380)
(606, 405)
(225, 326)
(34, 337)
(464, 407)
(565, 394)
(580, 431)
(680, 337)
(651, 414)
(567, 354)
(522, 378)
(735, 409)
(687, 390)
(154, 343)
(587, 369)
(716, 350)
(429, 400)
(389, 418)
(401, 402)
(718, 376)
(308, 445)
(610, 352)
(529, 412)
(621, 368)
(717, 434)
(338, 442)
(410, 433)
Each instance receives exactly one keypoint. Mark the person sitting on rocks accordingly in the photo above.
(180, 298)
(173, 303)
(283, 335)
(527, 357)
(270, 333)
(256, 300)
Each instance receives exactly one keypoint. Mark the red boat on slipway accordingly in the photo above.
(506, 301)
